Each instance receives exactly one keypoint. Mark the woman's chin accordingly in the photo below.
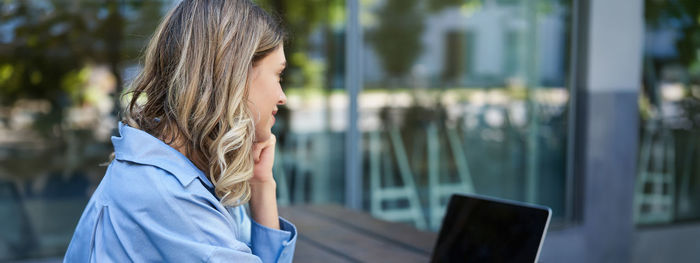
(263, 136)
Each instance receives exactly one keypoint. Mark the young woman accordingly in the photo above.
(195, 146)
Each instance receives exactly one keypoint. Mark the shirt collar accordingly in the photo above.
(138, 146)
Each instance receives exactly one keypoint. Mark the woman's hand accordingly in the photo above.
(264, 157)
(263, 199)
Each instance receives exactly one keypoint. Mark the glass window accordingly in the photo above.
(63, 62)
(463, 97)
(458, 96)
(310, 163)
(668, 175)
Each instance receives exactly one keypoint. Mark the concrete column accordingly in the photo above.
(613, 81)
(606, 79)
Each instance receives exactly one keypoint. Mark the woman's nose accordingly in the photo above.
(283, 99)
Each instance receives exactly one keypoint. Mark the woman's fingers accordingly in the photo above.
(260, 146)
(257, 149)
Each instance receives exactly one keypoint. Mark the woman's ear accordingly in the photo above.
(253, 73)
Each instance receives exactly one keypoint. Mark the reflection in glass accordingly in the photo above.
(63, 65)
(463, 96)
(667, 173)
(311, 129)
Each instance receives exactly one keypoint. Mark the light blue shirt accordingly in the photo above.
(154, 205)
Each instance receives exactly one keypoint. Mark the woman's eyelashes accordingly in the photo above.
(279, 76)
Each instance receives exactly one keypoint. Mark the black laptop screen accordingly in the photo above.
(484, 230)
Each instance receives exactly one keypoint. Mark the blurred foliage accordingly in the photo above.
(47, 41)
(682, 16)
(47, 46)
(315, 48)
(396, 38)
(685, 16)
(315, 41)
(542, 6)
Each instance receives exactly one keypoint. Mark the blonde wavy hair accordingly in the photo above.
(193, 90)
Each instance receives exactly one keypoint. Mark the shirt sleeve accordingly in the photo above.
(273, 245)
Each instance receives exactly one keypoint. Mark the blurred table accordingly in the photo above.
(331, 233)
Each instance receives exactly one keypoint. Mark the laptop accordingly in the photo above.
(484, 229)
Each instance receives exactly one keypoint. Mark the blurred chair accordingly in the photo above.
(656, 170)
(300, 167)
(300, 157)
(281, 177)
(393, 193)
(18, 236)
(319, 161)
(684, 197)
(439, 192)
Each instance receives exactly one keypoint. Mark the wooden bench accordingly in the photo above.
(331, 233)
